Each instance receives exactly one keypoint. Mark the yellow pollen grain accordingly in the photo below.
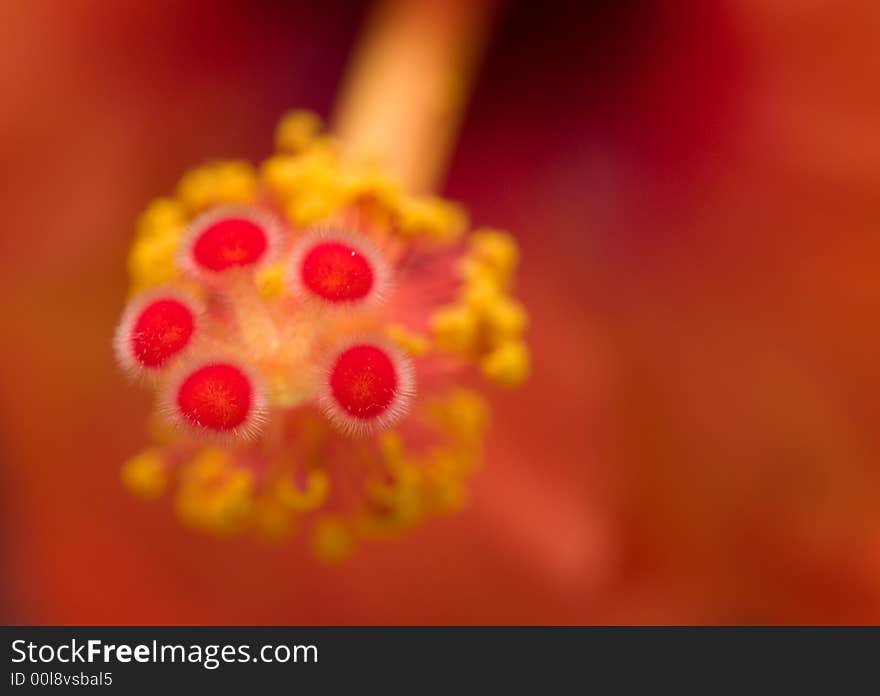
(508, 364)
(302, 500)
(496, 251)
(161, 215)
(146, 474)
(296, 130)
(332, 540)
(454, 328)
(270, 281)
(217, 183)
(506, 318)
(413, 343)
(213, 496)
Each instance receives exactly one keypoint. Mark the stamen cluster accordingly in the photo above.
(286, 318)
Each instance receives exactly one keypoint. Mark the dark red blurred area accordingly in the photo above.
(694, 187)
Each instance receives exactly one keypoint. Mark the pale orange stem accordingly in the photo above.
(408, 83)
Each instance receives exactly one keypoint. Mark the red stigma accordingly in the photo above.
(364, 381)
(230, 242)
(162, 329)
(337, 272)
(217, 397)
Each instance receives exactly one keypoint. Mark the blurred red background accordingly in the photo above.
(695, 188)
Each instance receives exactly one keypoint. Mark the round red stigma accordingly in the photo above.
(368, 387)
(364, 381)
(217, 397)
(229, 242)
(337, 272)
(163, 328)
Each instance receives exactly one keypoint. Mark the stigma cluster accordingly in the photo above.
(304, 327)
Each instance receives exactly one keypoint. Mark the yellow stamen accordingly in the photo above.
(218, 183)
(296, 131)
(508, 364)
(455, 328)
(270, 281)
(332, 540)
(146, 474)
(413, 343)
(302, 500)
